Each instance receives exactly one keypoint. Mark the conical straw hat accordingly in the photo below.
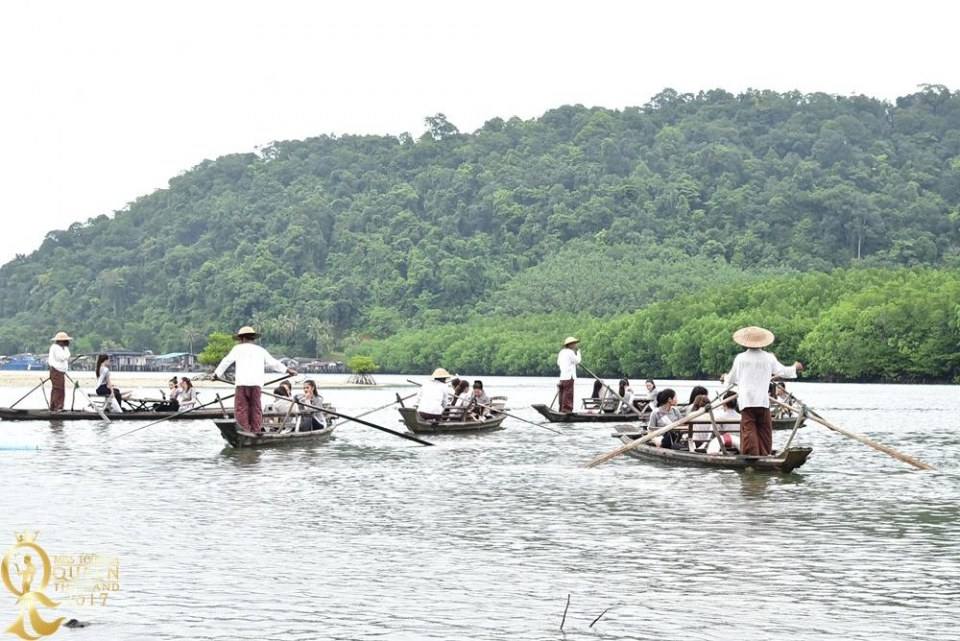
(753, 337)
(246, 330)
(570, 339)
(440, 373)
(61, 336)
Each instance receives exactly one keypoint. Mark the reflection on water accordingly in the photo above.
(483, 537)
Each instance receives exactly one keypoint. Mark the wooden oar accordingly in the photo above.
(630, 405)
(383, 407)
(869, 442)
(34, 389)
(353, 418)
(192, 409)
(514, 416)
(76, 386)
(603, 458)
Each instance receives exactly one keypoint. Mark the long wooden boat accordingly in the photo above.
(418, 425)
(784, 462)
(554, 416)
(231, 434)
(13, 414)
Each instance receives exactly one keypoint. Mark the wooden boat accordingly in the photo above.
(785, 461)
(12, 414)
(229, 432)
(450, 425)
(554, 416)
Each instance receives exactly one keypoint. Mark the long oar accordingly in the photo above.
(603, 458)
(34, 389)
(76, 386)
(219, 399)
(352, 418)
(612, 391)
(514, 416)
(383, 407)
(869, 442)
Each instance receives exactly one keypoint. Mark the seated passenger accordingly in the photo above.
(627, 397)
(311, 418)
(481, 402)
(665, 414)
(702, 429)
(728, 424)
(188, 395)
(609, 401)
(169, 403)
(651, 394)
(461, 395)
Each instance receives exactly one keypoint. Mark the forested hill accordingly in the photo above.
(587, 210)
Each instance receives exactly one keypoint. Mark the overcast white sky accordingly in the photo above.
(105, 101)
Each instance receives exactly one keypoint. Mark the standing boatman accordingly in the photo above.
(58, 360)
(251, 361)
(751, 373)
(567, 361)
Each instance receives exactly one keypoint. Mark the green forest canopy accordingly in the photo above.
(328, 241)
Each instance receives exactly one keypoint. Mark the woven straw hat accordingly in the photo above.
(440, 373)
(246, 330)
(61, 336)
(570, 339)
(753, 337)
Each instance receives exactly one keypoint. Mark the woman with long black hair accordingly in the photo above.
(104, 385)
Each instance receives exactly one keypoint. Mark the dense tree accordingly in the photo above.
(584, 211)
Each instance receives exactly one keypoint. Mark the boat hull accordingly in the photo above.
(783, 462)
(230, 433)
(418, 426)
(554, 416)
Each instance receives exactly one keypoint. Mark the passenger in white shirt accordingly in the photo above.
(58, 361)
(251, 362)
(434, 396)
(751, 373)
(567, 360)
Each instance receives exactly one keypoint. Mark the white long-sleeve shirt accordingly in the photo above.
(251, 361)
(434, 397)
(59, 357)
(567, 361)
(751, 373)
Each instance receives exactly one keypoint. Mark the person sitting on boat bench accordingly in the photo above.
(435, 396)
(665, 414)
(171, 403)
(702, 431)
(188, 395)
(105, 387)
(481, 401)
(728, 419)
(310, 418)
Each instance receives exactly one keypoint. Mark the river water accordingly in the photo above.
(483, 537)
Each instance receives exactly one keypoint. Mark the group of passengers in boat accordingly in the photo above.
(448, 397)
(182, 397)
(623, 400)
(300, 412)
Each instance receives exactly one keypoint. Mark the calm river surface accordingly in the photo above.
(371, 536)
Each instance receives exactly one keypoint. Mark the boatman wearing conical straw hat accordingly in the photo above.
(567, 360)
(751, 373)
(434, 396)
(58, 360)
(251, 361)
